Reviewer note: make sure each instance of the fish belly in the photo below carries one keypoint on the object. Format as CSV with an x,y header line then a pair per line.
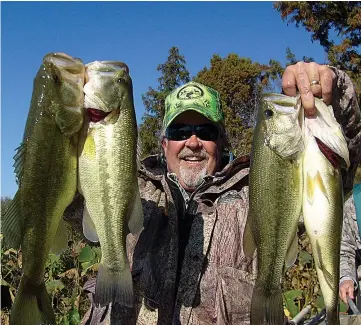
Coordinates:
x,y
108,181
275,206
48,187
322,213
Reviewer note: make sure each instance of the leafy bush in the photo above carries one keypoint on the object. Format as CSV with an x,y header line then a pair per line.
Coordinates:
x,y
65,275
300,283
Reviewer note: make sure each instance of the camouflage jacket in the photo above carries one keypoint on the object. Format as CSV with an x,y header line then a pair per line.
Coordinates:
x,y
347,113
215,282
350,244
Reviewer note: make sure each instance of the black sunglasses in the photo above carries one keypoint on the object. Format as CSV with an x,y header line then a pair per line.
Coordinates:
x,y
179,132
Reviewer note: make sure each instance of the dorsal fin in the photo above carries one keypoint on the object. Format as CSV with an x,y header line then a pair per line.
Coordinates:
x,y
19,162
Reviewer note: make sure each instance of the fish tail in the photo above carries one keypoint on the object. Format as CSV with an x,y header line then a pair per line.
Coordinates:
x,y
32,305
114,286
267,308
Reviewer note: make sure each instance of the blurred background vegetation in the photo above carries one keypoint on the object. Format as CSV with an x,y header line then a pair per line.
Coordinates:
x,y
239,81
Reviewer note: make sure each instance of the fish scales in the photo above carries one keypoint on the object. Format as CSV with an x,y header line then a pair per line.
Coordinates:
x,y
108,176
323,201
275,204
318,171
46,167
323,223
105,178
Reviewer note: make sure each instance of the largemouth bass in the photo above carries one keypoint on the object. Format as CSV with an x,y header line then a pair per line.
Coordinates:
x,y
46,168
275,193
323,200
108,176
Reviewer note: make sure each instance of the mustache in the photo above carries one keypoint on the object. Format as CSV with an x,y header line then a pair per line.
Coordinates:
x,y
187,153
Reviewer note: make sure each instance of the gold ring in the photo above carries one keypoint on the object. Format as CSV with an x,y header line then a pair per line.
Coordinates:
x,y
315,82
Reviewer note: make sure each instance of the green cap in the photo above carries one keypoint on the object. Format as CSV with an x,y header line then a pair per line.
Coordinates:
x,y
193,96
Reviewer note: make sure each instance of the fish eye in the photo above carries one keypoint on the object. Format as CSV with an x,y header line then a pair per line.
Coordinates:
x,y
56,79
121,81
268,113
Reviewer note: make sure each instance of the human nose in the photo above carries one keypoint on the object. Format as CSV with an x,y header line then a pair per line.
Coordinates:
x,y
193,142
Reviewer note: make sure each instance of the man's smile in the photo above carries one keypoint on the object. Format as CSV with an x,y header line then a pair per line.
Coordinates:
x,y
193,159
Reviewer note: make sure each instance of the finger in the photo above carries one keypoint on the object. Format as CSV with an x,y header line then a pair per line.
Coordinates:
x,y
303,84
350,292
289,82
314,77
327,79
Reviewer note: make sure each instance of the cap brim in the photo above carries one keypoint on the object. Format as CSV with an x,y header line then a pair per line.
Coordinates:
x,y
194,108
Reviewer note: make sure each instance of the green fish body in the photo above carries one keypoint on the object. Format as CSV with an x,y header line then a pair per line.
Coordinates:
x,y
322,206
46,167
275,193
108,176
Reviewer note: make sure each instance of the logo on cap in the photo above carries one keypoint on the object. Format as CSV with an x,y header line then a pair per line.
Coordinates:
x,y
190,92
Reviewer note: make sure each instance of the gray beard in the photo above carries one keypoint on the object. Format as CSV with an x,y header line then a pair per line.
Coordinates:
x,y
192,177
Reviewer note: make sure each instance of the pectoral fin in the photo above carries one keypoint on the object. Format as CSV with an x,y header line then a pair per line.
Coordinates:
x,y
89,230
249,245
135,223
60,242
292,252
312,184
89,149
13,223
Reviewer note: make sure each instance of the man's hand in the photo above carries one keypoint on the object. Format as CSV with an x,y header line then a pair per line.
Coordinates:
x,y
310,79
346,288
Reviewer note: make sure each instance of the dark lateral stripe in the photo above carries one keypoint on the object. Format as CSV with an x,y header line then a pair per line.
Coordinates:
x,y
96,115
332,157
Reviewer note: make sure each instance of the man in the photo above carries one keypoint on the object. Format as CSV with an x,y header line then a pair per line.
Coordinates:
x,y
188,265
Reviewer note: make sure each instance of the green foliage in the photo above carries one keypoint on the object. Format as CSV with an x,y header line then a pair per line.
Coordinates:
x,y
173,74
238,81
323,19
291,299
291,57
300,282
149,135
271,77
89,258
302,277
65,276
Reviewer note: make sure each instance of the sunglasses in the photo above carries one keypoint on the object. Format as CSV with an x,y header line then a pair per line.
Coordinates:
x,y
179,132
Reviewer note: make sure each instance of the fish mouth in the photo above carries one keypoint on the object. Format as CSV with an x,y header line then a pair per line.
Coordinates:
x,y
107,66
96,115
66,62
71,69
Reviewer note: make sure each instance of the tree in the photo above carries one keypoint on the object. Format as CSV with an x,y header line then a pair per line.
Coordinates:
x,y
173,74
238,81
321,18
291,57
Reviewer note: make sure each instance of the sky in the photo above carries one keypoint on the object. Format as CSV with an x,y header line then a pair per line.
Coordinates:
x,y
137,33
